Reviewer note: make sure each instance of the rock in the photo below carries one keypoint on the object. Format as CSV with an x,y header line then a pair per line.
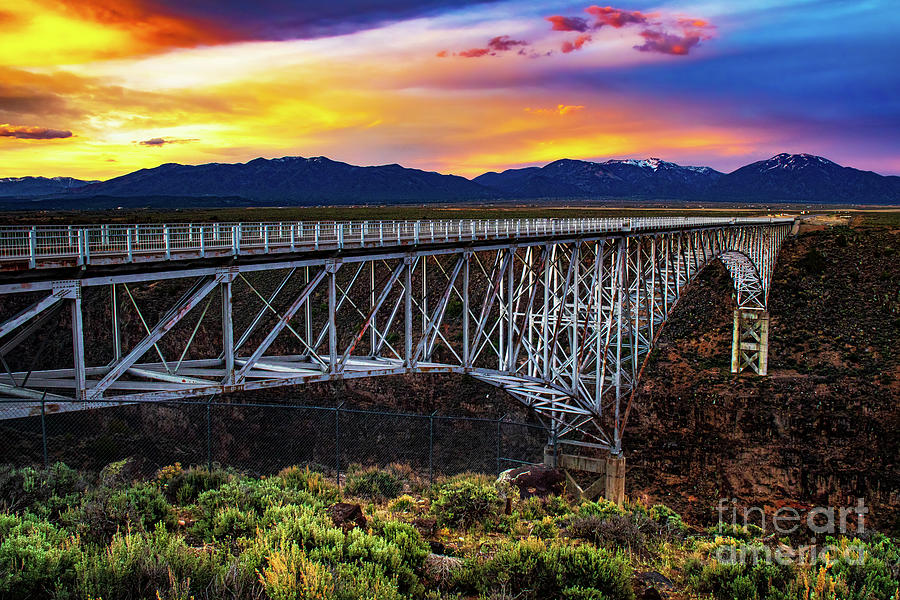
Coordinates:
x,y
425,526
649,584
536,480
651,593
347,515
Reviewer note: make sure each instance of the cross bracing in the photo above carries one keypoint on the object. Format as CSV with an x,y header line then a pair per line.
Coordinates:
x,y
562,314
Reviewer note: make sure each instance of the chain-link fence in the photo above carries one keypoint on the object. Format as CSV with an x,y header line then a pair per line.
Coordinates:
x,y
262,438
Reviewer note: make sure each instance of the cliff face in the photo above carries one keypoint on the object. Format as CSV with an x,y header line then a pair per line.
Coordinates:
x,y
823,428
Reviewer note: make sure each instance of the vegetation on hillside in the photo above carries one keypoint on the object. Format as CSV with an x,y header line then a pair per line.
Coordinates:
x,y
200,533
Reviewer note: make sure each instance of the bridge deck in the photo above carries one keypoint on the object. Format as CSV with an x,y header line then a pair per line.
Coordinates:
x,y
37,247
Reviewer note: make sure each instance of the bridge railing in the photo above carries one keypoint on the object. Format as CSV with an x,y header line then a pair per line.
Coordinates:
x,y
49,245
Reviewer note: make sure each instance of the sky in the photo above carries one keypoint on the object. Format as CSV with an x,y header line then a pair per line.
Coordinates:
x,y
99,88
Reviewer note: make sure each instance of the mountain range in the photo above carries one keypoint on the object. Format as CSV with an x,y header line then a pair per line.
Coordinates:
x,y
319,180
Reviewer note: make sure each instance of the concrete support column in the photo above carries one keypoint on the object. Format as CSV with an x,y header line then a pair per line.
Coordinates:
x,y
615,479
609,473
750,341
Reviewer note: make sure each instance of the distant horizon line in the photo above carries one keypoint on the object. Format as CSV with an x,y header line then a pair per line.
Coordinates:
x,y
501,170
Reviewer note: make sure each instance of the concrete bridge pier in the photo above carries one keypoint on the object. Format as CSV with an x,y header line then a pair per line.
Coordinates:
x,y
609,472
750,343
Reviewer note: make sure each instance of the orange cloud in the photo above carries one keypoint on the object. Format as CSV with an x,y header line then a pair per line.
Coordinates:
x,y
148,23
24,132
665,34
473,52
500,43
616,17
576,44
561,23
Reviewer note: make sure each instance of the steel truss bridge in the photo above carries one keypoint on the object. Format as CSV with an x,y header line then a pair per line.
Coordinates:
x,y
560,313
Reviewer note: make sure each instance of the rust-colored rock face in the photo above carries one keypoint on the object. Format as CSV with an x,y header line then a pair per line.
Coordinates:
x,y
822,429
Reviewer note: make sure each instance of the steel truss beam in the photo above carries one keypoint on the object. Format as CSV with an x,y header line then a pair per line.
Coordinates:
x,y
564,325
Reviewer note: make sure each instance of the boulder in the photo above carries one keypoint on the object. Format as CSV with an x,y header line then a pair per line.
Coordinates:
x,y
347,515
535,480
425,525
652,585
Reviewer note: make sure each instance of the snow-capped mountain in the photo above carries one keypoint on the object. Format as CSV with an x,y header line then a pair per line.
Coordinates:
x,y
805,178
294,180
651,177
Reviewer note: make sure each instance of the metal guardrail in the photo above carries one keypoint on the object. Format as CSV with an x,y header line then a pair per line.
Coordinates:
x,y
52,245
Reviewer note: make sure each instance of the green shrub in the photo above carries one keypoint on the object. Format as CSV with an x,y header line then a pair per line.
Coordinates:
x,y
743,533
314,482
289,575
404,503
185,486
373,483
557,506
582,593
863,569
45,492
532,569
159,564
618,531
666,517
37,559
531,508
103,511
408,541
742,572
390,560
230,523
602,508
464,502
545,529
246,496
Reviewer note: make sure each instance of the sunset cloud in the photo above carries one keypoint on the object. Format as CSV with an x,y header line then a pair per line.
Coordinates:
x,y
615,17
474,52
158,141
576,44
561,23
503,43
496,45
375,81
667,43
153,24
685,34
664,34
24,132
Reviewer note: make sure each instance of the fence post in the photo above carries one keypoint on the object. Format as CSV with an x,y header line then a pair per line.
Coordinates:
x,y
337,443
431,447
32,247
44,430
499,433
209,434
